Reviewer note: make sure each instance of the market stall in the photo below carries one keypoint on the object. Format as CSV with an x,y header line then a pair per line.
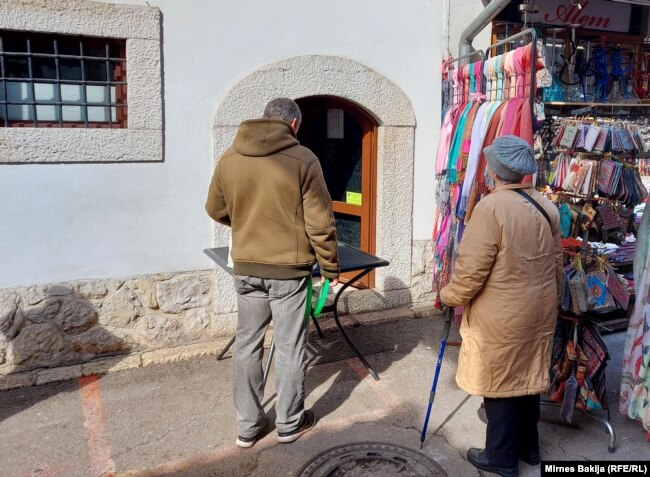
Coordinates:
x,y
580,96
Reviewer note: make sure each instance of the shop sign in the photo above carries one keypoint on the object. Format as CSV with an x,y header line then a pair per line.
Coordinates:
x,y
595,14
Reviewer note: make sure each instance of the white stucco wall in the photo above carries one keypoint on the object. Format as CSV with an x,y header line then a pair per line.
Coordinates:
x,y
70,221
458,15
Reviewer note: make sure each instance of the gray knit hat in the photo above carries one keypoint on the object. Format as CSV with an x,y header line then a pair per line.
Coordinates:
x,y
511,158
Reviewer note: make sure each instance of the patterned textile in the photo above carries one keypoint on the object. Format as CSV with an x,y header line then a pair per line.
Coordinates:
x,y
579,361
634,397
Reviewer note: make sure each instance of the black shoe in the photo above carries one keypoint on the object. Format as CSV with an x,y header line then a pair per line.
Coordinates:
x,y
246,442
478,459
307,422
530,458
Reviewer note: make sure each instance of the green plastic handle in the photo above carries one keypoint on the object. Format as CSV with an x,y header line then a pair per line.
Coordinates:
x,y
322,296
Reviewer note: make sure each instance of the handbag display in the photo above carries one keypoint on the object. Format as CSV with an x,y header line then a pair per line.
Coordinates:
x,y
625,140
600,297
557,137
590,138
603,141
569,136
616,287
616,147
581,137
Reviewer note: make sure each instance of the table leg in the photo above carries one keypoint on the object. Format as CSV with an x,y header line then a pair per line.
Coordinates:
x,y
320,332
227,347
338,324
611,448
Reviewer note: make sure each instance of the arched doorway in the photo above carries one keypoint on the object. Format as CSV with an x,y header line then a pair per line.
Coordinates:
x,y
388,106
344,138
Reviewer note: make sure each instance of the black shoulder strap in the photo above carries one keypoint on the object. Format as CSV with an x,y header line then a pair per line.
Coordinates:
x,y
534,202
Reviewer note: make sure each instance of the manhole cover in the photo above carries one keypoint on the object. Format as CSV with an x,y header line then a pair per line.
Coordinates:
x,y
371,459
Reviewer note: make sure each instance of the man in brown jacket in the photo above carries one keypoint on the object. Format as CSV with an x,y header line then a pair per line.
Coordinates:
x,y
270,190
508,276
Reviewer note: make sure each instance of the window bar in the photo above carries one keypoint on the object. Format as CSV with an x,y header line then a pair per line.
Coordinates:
x,y
84,99
4,83
31,79
67,103
108,88
58,81
64,81
69,57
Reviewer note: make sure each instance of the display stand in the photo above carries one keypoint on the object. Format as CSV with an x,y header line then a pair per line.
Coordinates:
x,y
520,39
504,80
611,447
622,197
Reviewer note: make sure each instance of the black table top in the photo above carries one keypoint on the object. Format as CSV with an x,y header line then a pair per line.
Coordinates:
x,y
350,259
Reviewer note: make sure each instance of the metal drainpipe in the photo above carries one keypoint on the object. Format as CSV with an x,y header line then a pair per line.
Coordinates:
x,y
481,21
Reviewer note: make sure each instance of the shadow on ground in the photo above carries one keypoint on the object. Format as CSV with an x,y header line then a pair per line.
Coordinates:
x,y
267,458
335,384
56,328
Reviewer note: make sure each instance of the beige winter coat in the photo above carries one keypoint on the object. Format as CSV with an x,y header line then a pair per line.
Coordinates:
x,y
508,276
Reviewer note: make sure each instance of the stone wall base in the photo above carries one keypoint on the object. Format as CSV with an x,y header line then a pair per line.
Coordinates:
x,y
178,353
66,330
71,324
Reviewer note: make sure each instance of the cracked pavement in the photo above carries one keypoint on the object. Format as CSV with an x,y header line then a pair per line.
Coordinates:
x,y
177,419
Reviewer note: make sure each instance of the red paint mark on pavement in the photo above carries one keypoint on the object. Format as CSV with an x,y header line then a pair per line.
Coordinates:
x,y
99,449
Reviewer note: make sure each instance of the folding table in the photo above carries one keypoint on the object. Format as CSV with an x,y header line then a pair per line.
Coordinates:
x,y
350,260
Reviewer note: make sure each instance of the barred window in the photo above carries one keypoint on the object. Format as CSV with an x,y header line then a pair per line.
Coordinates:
x,y
51,80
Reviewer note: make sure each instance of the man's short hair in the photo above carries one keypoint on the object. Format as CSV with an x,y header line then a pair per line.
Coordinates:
x,y
283,108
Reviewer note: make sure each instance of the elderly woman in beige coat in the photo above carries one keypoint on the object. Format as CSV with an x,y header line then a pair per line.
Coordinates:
x,y
508,276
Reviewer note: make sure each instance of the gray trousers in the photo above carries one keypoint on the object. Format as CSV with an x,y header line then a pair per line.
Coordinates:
x,y
259,299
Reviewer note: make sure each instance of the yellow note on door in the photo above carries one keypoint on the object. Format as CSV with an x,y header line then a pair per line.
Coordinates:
x,y
353,198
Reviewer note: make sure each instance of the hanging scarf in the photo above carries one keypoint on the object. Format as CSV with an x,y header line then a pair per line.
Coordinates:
x,y
454,150
478,187
446,135
476,145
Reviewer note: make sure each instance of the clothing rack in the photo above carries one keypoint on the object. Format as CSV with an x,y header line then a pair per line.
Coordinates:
x,y
503,86
479,53
617,110
506,82
571,195
462,81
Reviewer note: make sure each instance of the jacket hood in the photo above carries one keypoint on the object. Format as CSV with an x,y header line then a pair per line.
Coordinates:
x,y
262,137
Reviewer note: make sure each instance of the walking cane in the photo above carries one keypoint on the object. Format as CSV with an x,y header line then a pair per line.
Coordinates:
x,y
441,353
